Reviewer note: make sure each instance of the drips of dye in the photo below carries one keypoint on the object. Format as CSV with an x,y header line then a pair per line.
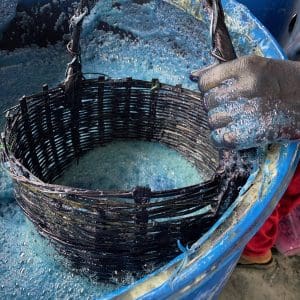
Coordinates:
x,y
156,40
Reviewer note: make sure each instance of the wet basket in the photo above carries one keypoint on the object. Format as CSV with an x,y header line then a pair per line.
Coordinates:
x,y
107,231
114,232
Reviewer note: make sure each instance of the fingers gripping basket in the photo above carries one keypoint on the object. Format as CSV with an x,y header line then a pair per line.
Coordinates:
x,y
109,232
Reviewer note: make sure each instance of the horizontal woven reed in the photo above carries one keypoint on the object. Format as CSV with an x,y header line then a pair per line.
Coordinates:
x,y
110,233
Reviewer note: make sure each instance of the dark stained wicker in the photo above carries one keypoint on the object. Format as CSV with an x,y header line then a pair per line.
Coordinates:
x,y
111,232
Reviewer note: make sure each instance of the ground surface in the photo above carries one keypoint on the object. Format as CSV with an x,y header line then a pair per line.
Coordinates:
x,y
280,282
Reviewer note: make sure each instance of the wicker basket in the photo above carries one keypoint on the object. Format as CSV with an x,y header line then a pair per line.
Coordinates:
x,y
114,232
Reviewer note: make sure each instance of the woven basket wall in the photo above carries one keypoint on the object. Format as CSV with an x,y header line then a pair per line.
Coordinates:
x,y
113,232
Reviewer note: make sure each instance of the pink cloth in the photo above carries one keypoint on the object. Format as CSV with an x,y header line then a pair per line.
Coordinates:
x,y
266,237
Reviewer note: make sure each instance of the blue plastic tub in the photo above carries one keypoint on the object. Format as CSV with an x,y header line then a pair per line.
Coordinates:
x,y
276,15
202,271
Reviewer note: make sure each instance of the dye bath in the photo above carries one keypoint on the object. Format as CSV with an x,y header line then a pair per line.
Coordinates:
x,y
143,41
124,165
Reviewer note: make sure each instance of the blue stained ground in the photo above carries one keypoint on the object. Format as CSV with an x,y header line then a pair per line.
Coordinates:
x,y
143,41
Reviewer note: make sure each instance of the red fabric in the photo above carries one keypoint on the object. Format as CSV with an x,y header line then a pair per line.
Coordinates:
x,y
266,237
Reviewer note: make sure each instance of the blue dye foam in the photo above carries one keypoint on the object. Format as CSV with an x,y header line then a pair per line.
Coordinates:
x,y
153,40
143,41
125,165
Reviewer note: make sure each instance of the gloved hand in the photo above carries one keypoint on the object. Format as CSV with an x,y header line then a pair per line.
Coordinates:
x,y
251,101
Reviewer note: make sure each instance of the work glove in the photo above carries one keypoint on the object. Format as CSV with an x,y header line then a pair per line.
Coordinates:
x,y
251,101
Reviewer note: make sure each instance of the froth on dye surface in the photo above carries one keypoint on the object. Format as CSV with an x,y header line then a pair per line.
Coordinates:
x,y
124,165
148,39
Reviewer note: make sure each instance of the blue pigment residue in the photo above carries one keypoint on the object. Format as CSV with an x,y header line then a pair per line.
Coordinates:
x,y
143,41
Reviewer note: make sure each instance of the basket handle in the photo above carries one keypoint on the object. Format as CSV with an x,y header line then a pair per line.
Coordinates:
x,y
222,48
73,72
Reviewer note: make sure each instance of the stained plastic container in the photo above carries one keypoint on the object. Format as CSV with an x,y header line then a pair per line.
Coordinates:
x,y
288,241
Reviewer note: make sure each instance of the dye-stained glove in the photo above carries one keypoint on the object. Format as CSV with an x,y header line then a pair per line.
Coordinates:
x,y
251,101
